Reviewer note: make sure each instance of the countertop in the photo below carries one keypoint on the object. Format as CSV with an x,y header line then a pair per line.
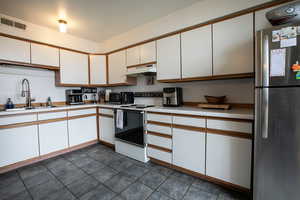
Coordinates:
x,y
239,113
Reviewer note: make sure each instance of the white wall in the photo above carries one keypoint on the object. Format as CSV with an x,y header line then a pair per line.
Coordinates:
x,y
42,84
236,90
195,14
44,34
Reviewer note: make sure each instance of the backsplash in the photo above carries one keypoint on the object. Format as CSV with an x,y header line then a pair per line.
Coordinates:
x,y
43,85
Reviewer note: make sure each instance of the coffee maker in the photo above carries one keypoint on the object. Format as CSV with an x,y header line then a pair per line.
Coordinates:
x,y
74,97
172,97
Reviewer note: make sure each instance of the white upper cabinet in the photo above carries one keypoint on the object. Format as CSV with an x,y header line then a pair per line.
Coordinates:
x,y
73,68
133,56
196,50
148,52
233,46
117,67
44,55
168,58
14,50
98,69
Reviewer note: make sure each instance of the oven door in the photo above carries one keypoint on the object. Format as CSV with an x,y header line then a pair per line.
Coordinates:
x,y
133,127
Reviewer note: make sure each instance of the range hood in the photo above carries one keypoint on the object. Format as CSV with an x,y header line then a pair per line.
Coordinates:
x,y
149,69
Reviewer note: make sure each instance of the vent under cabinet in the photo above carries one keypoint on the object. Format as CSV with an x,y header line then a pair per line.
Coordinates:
x,y
12,23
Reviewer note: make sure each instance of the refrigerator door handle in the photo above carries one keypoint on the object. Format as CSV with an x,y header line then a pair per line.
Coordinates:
x,y
266,64
265,113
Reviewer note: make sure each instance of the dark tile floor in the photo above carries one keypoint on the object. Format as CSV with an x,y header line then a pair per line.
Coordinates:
x,y
98,173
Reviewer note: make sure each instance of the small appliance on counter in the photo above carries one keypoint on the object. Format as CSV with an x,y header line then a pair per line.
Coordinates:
x,y
215,102
74,97
172,97
127,97
114,98
86,90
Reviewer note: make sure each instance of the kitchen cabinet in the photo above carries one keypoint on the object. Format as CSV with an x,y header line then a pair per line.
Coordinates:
x,y
168,58
14,50
74,68
117,67
98,70
18,144
106,125
189,149
148,52
44,55
233,46
229,159
53,136
196,51
82,126
133,56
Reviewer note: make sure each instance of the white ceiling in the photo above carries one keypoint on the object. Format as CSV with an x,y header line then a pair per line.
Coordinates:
x,y
95,20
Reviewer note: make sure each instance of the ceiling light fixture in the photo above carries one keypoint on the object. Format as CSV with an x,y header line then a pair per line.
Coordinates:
x,y
62,25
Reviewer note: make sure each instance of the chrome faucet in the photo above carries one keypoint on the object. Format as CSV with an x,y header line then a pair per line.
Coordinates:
x,y
26,93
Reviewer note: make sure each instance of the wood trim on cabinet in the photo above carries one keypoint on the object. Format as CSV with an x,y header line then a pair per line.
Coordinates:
x,y
160,162
230,133
82,116
159,134
98,124
213,21
187,115
89,69
190,128
47,121
160,148
8,62
159,113
105,115
53,111
141,65
18,114
17,125
107,62
230,119
112,146
159,123
85,108
44,157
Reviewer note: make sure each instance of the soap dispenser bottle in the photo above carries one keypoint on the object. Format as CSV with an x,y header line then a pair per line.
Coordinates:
x,y
9,104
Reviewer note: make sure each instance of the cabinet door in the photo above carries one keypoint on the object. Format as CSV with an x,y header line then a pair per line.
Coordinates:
x,y
107,129
82,130
18,144
73,68
168,58
53,137
133,56
117,67
14,50
196,50
98,69
233,46
229,159
189,150
44,55
148,52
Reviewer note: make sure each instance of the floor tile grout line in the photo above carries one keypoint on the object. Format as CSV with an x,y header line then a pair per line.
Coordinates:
x,y
26,188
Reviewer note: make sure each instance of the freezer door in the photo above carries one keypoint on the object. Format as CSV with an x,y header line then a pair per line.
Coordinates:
x,y
267,59
277,144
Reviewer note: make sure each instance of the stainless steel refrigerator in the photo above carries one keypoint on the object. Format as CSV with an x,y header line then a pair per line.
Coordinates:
x,y
277,122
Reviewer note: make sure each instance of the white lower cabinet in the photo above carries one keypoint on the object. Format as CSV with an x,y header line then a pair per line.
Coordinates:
x,y
229,159
107,129
159,155
18,144
53,137
189,150
82,130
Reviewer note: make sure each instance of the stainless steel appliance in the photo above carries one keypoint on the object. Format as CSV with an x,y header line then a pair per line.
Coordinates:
x,y
277,127
172,96
74,97
114,98
289,13
127,97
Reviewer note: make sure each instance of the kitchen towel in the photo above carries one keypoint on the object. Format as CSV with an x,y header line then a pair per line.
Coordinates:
x,y
120,119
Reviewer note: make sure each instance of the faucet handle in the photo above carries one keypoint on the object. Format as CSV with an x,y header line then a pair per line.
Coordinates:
x,y
33,99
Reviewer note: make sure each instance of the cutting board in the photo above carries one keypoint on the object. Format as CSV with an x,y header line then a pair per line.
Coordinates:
x,y
214,106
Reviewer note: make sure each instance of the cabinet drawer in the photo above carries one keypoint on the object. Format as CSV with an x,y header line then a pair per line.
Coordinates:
x,y
189,121
81,112
159,118
243,127
106,111
13,119
160,155
159,141
54,115
159,129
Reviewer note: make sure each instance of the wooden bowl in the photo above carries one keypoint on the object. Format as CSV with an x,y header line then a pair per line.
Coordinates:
x,y
215,100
